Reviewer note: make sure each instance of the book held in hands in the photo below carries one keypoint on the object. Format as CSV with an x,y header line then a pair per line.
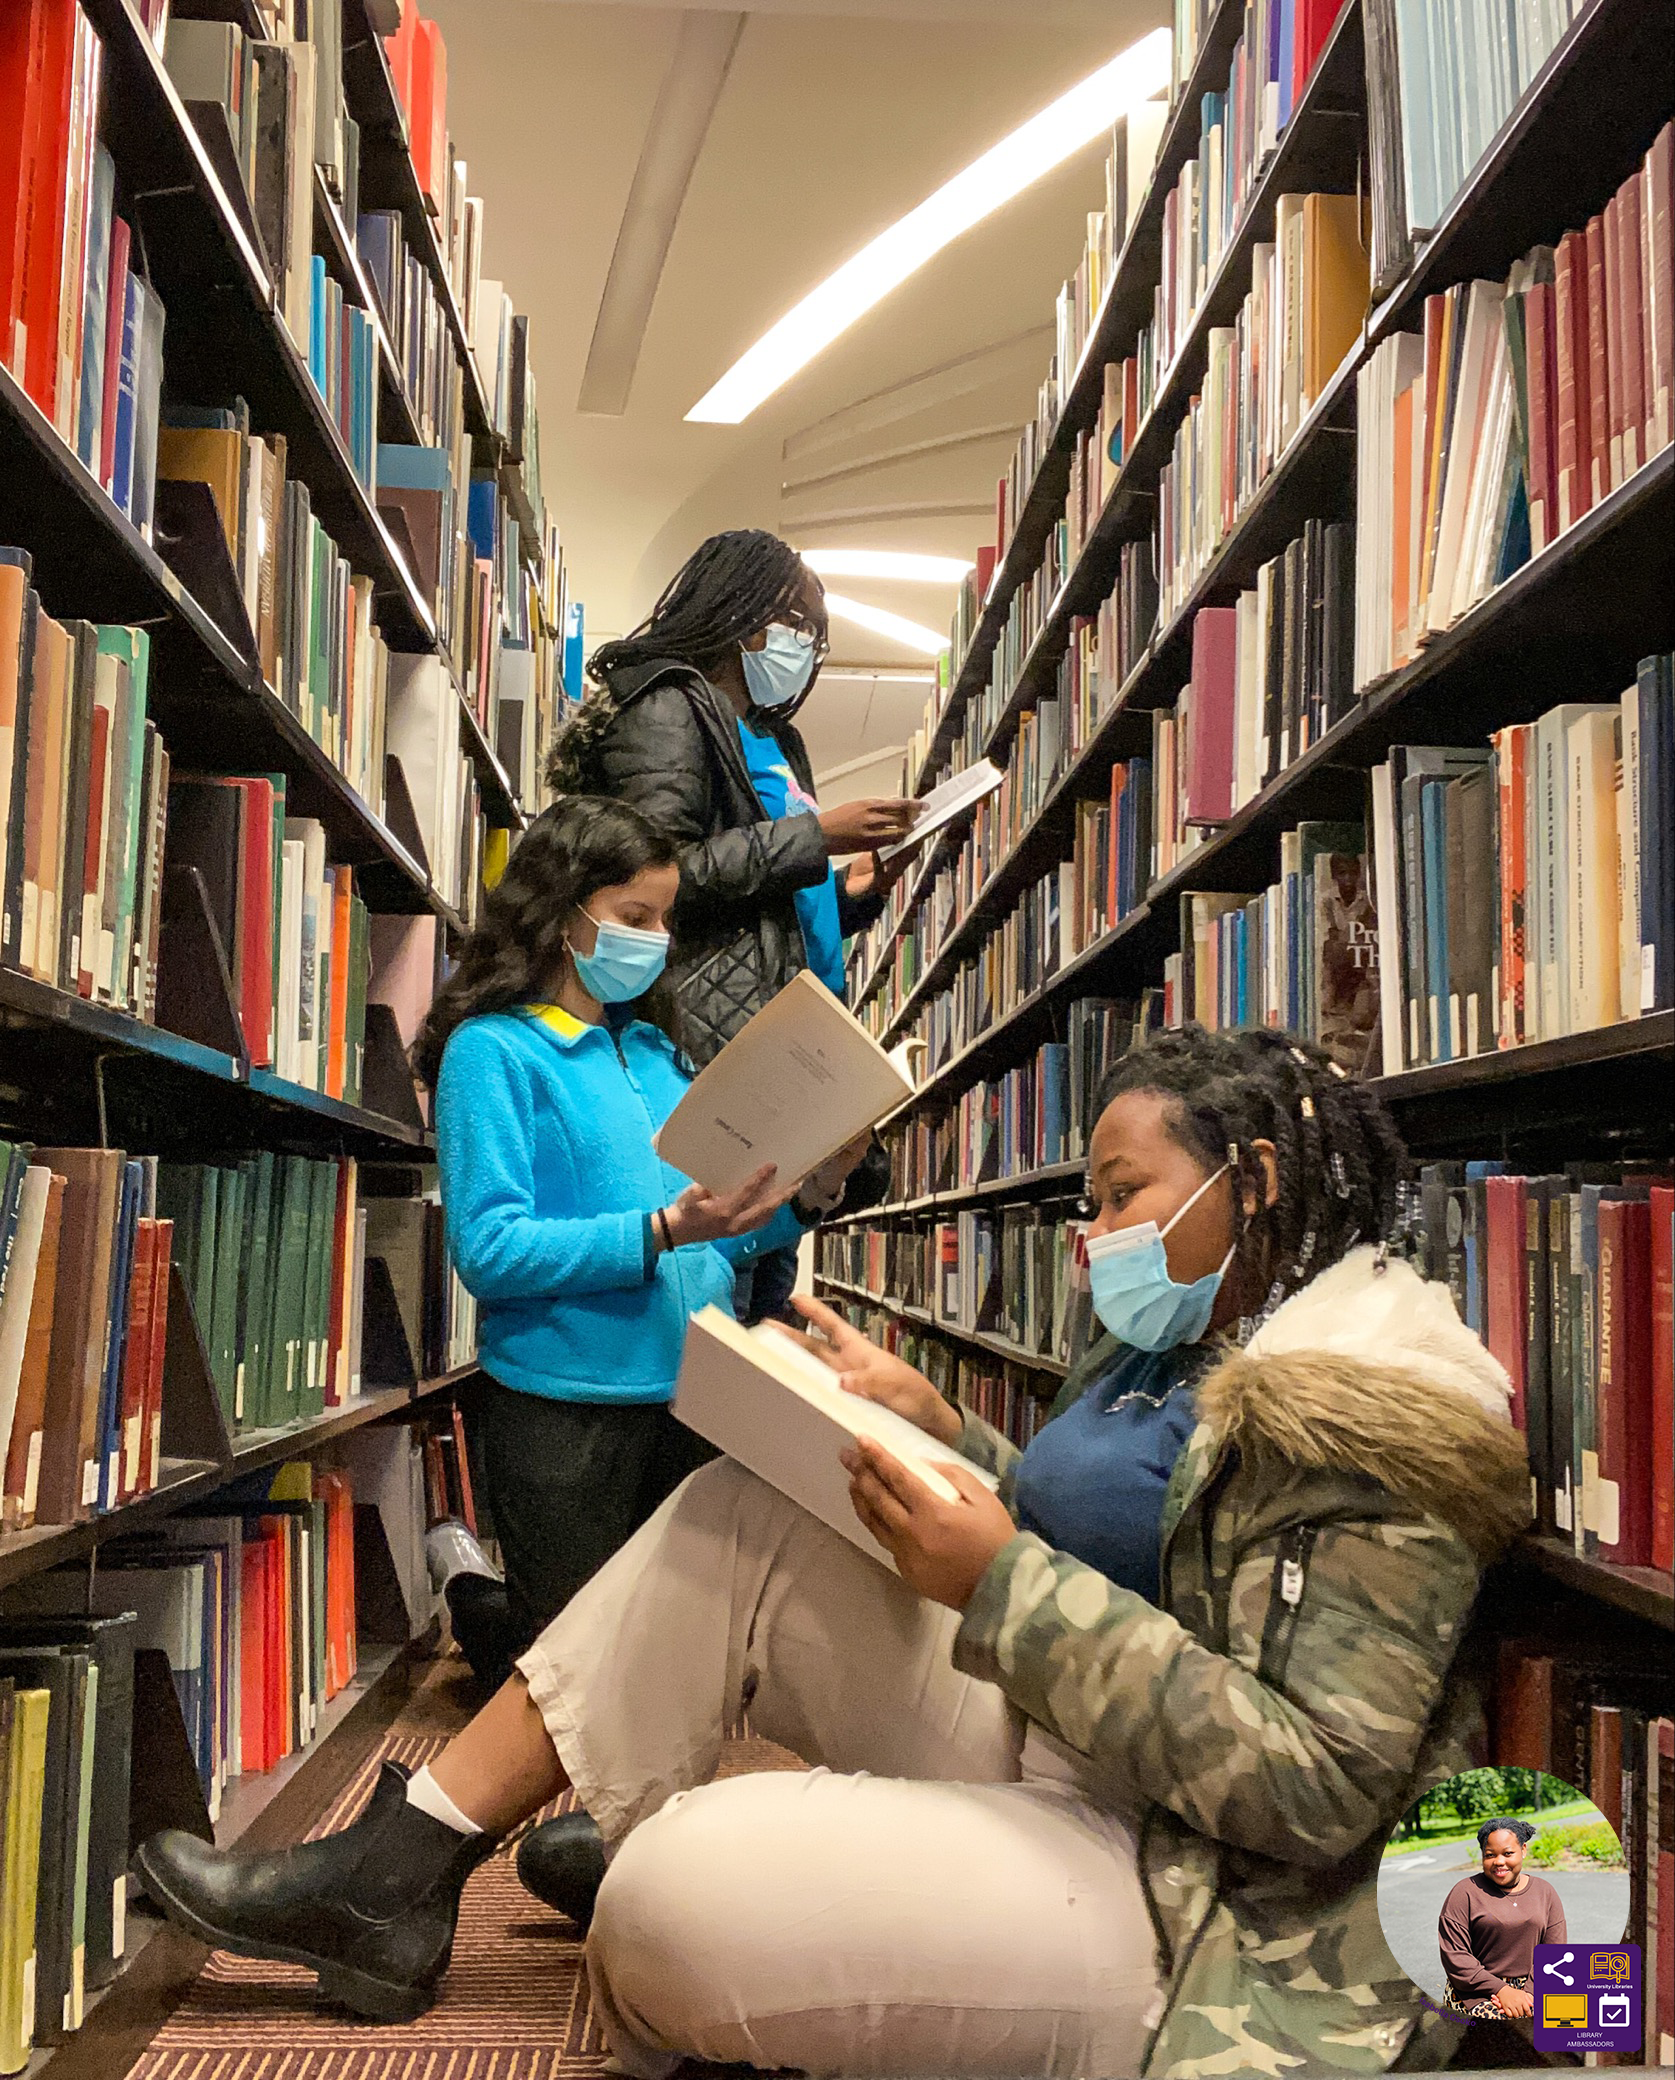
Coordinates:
x,y
801,1080
777,1410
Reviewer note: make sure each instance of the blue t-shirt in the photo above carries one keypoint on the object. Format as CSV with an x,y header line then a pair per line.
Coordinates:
x,y
817,907
1092,1483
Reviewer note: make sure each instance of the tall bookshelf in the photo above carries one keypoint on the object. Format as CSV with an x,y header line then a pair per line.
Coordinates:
x,y
75,1072
1569,625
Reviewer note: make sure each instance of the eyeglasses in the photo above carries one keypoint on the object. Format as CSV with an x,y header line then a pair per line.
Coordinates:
x,y
811,631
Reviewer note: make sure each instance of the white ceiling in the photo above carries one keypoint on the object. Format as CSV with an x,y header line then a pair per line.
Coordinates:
x,y
830,122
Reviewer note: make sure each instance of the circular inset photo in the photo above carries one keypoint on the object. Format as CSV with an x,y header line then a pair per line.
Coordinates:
x,y
1483,1868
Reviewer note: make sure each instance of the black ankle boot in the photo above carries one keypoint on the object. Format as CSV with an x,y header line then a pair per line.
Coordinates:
x,y
371,1909
563,1863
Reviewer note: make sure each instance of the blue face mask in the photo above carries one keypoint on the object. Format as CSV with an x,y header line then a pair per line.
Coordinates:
x,y
1133,1294
778,672
624,962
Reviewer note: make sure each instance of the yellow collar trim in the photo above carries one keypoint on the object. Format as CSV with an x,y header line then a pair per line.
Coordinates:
x,y
564,1023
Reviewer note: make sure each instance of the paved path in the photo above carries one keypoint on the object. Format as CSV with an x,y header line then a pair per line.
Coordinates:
x,y
1412,1888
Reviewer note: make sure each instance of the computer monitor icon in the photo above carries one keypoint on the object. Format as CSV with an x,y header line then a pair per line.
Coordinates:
x,y
1564,2011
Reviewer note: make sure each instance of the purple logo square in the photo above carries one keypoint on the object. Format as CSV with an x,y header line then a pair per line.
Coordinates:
x,y
1587,1997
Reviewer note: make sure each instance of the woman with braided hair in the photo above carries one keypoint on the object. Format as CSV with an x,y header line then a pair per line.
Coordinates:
x,y
1490,1924
1105,1765
691,721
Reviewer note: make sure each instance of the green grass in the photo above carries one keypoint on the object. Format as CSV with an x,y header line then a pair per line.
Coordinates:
x,y
1457,1831
1595,1841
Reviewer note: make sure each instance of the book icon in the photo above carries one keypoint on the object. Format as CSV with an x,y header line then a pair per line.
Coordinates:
x,y
1564,2011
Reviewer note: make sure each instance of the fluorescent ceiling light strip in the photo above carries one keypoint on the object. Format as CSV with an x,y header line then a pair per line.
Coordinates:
x,y
828,672
1005,170
886,563
882,623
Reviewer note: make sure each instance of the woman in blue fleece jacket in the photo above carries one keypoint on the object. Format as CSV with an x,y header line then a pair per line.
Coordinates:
x,y
551,1055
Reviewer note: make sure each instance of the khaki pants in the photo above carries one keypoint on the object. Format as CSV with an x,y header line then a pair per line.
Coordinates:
x,y
936,1897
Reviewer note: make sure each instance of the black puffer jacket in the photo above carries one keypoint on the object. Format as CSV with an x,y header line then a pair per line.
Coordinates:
x,y
672,751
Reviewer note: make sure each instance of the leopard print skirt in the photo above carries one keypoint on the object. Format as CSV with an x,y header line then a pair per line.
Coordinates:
x,y
1476,2008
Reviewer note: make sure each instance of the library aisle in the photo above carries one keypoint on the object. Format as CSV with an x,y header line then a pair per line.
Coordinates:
x,y
1236,443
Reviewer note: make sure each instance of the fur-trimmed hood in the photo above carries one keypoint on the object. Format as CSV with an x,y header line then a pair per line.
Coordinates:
x,y
1371,1371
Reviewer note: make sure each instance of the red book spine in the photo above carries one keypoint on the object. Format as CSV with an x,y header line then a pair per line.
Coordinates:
x,y
152,1421
252,1623
1605,1762
1605,376
1209,767
1539,335
1503,1327
1624,1418
21,54
985,570
136,1359
256,911
1570,362
1663,1375
48,204
1119,781
1631,309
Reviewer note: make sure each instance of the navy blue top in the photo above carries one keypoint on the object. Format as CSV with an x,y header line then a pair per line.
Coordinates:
x,y
817,907
1093,1481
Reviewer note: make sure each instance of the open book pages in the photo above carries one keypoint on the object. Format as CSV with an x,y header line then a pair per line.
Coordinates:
x,y
796,1084
778,1411
946,802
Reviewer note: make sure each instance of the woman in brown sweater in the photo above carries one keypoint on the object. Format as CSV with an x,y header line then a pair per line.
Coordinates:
x,y
1491,1923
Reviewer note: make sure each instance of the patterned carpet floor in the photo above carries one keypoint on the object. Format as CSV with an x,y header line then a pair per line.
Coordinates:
x,y
514,2006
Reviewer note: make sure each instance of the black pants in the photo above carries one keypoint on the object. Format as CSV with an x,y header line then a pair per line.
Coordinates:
x,y
566,1483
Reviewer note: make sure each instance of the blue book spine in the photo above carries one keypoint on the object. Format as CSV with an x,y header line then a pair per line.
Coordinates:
x,y
1055,1109
317,323
1286,56
481,507
91,412
116,1344
127,383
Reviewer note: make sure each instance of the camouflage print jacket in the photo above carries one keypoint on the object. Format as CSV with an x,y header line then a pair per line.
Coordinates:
x,y
1289,1694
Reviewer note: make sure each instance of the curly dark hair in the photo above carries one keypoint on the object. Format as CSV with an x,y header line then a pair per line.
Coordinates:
x,y
566,856
1521,1828
728,588
1339,1158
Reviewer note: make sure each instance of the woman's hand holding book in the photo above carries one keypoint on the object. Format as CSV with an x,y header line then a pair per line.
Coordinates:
x,y
701,1216
862,1368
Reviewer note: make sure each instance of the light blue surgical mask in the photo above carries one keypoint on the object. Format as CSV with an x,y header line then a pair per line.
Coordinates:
x,y
778,672
1133,1294
624,963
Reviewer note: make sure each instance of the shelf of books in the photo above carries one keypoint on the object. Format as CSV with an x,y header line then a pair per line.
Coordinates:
x,y
281,615
1325,645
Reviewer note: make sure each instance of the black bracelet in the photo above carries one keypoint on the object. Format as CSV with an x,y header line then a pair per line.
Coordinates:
x,y
663,1223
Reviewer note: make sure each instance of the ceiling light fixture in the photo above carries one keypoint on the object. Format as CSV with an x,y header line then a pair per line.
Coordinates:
x,y
882,623
887,563
1005,170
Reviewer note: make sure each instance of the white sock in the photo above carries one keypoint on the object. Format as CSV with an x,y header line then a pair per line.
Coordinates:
x,y
424,1792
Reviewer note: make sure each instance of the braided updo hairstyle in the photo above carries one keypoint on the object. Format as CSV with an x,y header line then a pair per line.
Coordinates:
x,y
1339,1158
566,856
1520,1829
731,586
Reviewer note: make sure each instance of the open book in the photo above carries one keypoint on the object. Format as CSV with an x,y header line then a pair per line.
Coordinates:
x,y
790,1088
946,802
767,1403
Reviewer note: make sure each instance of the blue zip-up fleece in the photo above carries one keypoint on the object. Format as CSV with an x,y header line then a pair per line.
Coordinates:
x,y
543,1135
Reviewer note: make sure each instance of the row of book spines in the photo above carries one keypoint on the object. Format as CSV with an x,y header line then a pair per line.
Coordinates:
x,y
83,773
84,1313
1431,1014
273,1251
1568,1280
343,362
1005,1395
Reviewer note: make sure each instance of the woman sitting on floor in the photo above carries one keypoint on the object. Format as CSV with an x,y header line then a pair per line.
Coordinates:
x,y
1107,1768
1490,1924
